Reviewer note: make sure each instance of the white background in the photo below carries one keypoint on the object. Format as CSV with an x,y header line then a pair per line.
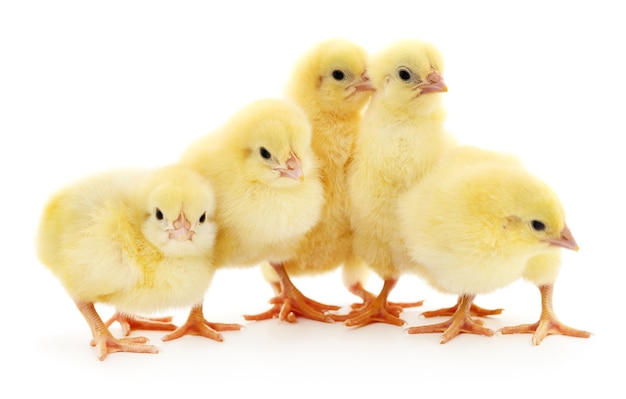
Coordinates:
x,y
87,86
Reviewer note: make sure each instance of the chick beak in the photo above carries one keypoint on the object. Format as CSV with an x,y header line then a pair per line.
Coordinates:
x,y
182,229
434,84
362,84
293,169
566,240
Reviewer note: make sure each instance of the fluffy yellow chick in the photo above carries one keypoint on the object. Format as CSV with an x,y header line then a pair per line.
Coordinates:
x,y
138,240
402,135
474,224
331,85
267,187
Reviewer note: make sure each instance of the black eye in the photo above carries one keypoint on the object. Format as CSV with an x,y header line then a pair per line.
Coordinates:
x,y
202,218
404,74
338,74
265,153
158,214
537,225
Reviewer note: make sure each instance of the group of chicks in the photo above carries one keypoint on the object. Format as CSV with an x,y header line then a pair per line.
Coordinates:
x,y
353,168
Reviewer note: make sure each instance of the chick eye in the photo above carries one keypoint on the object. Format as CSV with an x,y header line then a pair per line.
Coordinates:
x,y
538,225
158,214
202,218
404,74
338,74
265,153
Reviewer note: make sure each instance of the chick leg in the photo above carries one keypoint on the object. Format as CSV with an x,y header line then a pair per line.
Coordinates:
x,y
197,325
460,322
291,302
130,323
105,341
548,323
474,311
378,310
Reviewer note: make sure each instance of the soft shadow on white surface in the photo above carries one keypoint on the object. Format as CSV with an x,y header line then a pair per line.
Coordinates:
x,y
87,87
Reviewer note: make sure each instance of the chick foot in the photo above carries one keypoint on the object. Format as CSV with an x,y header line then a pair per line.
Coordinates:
x,y
197,325
460,322
367,297
131,323
290,303
105,341
548,323
376,311
475,310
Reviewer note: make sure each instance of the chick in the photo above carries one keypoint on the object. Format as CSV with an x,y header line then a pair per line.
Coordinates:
x,y
331,85
268,191
402,135
138,240
472,226
542,270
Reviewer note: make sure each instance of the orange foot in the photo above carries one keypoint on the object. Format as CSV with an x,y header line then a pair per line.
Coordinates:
x,y
474,311
460,322
375,311
131,323
358,290
197,325
107,343
548,323
290,303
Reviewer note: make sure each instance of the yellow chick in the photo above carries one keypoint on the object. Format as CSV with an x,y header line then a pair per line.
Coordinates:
x,y
542,270
138,240
472,225
267,187
331,85
402,136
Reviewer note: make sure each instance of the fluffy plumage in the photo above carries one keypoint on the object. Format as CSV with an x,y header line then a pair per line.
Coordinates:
x,y
266,181
402,136
138,240
477,222
330,83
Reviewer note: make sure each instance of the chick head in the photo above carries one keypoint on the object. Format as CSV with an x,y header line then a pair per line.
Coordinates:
x,y
408,75
332,77
179,206
522,212
272,141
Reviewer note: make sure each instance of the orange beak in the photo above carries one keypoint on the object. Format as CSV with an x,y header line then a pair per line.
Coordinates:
x,y
182,229
434,84
566,240
293,169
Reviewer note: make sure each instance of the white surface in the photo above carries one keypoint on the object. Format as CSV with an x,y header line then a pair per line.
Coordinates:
x,y
86,87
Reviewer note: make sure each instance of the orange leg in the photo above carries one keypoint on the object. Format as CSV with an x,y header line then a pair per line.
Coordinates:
x,y
197,325
474,311
548,324
460,322
105,341
130,323
376,311
290,303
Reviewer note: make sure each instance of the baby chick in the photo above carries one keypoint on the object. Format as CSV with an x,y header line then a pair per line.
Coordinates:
x,y
402,135
472,225
331,85
138,240
542,270
268,191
